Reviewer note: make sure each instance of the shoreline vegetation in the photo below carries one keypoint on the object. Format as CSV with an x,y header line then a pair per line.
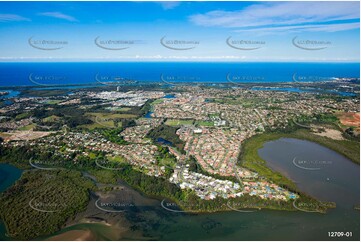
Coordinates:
x,y
58,195
347,148
152,186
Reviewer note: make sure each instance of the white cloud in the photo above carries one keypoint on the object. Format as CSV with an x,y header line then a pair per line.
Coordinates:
x,y
281,14
300,28
169,5
12,18
59,16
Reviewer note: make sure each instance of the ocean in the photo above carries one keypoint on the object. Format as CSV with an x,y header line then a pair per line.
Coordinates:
x,y
72,73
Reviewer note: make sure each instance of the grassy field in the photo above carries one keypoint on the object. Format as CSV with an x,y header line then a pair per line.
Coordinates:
x,y
167,162
110,115
4,135
205,123
178,122
22,116
119,159
105,120
119,109
157,101
92,155
53,102
105,124
52,118
27,127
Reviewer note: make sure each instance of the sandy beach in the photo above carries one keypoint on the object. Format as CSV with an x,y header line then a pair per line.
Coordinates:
x,y
74,235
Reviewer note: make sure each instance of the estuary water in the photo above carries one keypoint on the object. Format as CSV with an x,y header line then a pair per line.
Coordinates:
x,y
316,170
336,180
8,175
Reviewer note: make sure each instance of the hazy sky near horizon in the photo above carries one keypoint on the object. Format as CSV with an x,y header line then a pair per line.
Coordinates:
x,y
180,31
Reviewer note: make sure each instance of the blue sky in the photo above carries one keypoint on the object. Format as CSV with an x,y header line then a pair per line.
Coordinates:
x,y
132,31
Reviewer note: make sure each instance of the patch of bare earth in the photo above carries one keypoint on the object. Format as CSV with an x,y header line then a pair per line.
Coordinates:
x,y
74,235
350,119
331,133
25,135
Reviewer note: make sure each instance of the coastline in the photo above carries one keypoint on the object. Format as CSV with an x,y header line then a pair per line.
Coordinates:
x,y
256,143
73,235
